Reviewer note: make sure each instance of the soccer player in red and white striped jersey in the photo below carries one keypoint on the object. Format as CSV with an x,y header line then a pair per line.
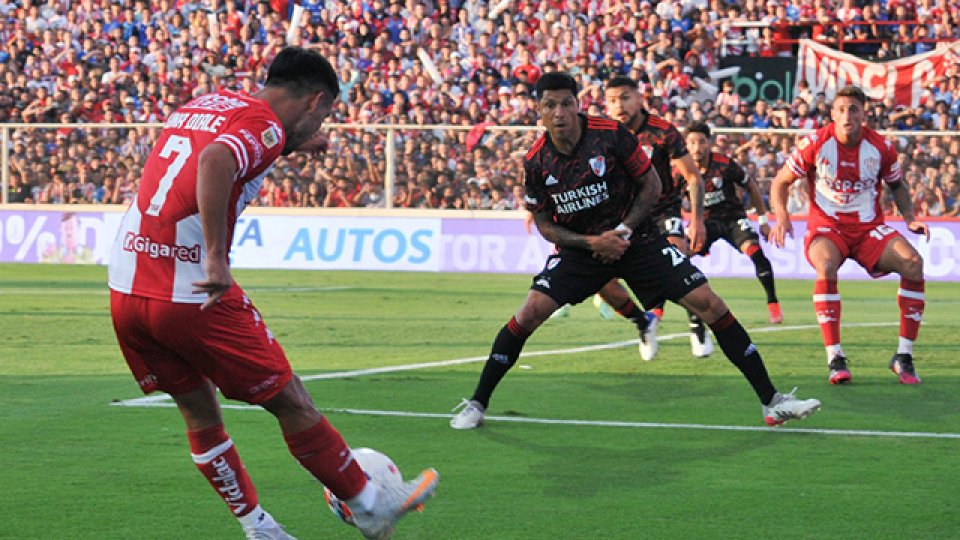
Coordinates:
x,y
184,325
845,166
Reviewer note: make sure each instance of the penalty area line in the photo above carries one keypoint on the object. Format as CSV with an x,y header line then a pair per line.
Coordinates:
x,y
602,423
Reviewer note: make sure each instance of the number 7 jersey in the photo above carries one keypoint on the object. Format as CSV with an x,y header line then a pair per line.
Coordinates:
x,y
159,249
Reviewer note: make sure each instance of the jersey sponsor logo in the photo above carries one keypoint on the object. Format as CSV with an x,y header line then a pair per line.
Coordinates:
x,y
551,181
156,250
581,198
530,200
598,165
712,198
269,137
217,103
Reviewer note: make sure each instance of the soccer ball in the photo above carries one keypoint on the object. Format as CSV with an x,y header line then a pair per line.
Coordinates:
x,y
379,469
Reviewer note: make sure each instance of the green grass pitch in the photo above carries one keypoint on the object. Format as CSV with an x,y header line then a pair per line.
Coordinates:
x,y
76,467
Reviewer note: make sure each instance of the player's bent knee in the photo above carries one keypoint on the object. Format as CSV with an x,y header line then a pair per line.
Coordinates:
x,y
292,400
704,303
912,267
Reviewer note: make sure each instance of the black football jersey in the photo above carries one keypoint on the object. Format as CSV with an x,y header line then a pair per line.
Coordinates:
x,y
591,190
662,143
720,199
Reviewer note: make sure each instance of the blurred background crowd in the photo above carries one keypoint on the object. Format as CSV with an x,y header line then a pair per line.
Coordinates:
x,y
468,65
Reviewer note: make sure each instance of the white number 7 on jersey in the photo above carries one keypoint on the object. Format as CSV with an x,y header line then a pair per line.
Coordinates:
x,y
174,145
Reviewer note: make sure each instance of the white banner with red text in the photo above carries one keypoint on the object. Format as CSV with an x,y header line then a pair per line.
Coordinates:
x,y
905,79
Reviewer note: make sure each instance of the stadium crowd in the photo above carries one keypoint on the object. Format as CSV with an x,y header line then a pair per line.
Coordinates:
x,y
465,64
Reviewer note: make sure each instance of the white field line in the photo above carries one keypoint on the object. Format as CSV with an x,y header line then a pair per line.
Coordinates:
x,y
597,423
163,400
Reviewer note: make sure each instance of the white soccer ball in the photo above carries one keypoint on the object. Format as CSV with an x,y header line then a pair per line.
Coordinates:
x,y
380,470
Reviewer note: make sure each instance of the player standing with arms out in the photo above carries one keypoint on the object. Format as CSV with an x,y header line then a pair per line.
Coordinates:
x,y
724,213
665,147
184,325
590,187
844,165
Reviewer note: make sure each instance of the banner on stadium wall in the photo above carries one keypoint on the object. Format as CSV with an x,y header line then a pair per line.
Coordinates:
x,y
766,78
827,70
435,244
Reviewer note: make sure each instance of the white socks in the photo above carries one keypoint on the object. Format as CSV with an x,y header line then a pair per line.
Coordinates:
x,y
365,499
255,518
834,351
905,346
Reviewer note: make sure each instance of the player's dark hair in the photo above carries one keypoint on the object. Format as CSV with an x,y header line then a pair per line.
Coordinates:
x,y
302,72
622,82
699,127
854,92
556,80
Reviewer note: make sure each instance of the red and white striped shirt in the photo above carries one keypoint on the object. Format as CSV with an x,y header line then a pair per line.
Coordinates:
x,y
159,250
843,181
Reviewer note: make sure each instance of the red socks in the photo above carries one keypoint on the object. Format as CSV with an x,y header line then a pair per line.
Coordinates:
x,y
826,302
217,459
910,298
323,452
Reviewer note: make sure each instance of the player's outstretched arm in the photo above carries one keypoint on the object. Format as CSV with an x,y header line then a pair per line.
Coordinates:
x,y
757,199
215,175
901,198
778,202
698,231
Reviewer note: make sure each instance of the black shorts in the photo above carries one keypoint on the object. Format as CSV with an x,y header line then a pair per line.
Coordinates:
x,y
668,219
735,230
655,271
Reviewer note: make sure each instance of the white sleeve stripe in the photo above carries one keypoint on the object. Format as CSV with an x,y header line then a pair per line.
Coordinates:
x,y
212,453
236,152
244,159
239,152
910,294
826,298
795,167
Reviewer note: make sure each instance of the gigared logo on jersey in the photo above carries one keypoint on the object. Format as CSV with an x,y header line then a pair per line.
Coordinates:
x,y
269,137
598,165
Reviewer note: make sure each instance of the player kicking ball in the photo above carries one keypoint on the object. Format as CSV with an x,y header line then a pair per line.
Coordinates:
x,y
590,187
844,166
186,327
724,215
